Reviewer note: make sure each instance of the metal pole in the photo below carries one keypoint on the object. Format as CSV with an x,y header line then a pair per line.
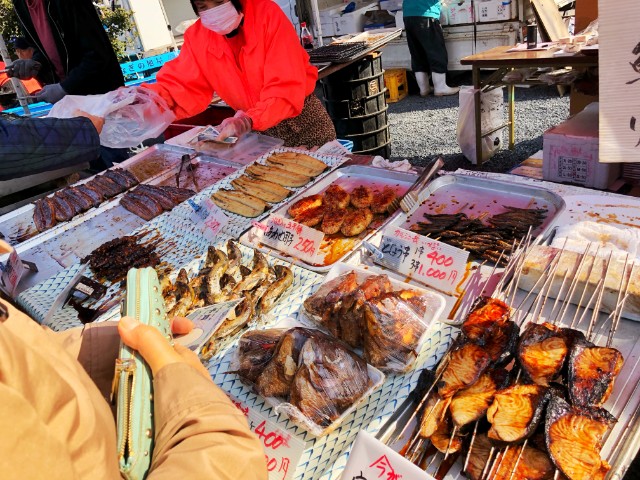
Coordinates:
x,y
316,19
17,84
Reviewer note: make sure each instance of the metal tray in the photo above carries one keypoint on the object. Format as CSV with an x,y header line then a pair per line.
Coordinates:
x,y
479,197
348,178
64,245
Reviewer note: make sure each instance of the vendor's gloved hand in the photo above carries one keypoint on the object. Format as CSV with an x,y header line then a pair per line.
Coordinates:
x,y
24,69
51,93
155,348
236,126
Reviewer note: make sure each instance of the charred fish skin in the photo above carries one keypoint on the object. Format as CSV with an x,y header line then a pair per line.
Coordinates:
x,y
592,372
486,313
542,351
44,214
574,437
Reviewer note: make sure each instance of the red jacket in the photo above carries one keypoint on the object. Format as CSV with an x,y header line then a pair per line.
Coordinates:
x,y
269,80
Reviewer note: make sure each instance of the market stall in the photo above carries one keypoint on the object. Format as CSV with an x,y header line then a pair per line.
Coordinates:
x,y
382,292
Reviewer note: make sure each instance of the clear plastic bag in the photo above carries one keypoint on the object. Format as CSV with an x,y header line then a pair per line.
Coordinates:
x,y
492,116
311,377
131,114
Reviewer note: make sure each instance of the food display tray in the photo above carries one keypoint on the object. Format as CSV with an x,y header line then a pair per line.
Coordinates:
x,y
336,246
66,243
245,151
480,197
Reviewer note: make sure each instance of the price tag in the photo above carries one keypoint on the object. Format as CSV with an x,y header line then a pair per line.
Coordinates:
x,y
429,261
205,321
289,237
12,269
282,449
370,459
209,217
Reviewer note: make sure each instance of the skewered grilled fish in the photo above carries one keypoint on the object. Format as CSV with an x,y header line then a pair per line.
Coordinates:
x,y
465,366
471,403
444,440
336,197
484,315
361,197
527,464
516,412
502,344
574,439
433,415
592,373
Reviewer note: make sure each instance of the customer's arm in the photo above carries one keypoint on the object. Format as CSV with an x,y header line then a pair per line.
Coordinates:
x,y
199,432
34,145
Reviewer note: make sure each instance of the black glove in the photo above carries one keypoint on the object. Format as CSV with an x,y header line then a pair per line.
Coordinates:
x,y
50,93
24,69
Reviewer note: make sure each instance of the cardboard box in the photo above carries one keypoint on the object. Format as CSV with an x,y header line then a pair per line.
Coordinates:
x,y
493,10
571,152
459,13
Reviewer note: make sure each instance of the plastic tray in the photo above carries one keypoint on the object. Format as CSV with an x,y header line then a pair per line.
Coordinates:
x,y
436,302
348,177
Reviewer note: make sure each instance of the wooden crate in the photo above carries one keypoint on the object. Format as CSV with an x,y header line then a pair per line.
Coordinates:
x,y
395,80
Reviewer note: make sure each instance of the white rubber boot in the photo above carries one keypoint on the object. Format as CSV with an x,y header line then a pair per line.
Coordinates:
x,y
440,86
422,78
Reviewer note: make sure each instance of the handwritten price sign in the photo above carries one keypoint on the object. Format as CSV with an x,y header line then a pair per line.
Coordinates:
x,y
209,217
431,262
12,269
282,449
288,237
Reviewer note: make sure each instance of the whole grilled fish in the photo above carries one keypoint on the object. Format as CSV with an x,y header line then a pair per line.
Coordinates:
x,y
284,279
217,262
258,274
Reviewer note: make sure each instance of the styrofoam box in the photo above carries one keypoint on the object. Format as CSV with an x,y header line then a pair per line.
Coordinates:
x,y
391,5
493,10
459,13
570,152
352,22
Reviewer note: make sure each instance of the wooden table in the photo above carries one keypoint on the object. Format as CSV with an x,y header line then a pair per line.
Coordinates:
x,y
498,58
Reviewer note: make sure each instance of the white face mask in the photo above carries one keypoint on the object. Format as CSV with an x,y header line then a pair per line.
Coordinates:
x,y
222,19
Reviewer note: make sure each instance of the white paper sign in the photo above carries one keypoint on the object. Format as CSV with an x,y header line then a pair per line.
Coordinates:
x,y
288,237
209,217
373,460
205,321
429,261
282,449
12,269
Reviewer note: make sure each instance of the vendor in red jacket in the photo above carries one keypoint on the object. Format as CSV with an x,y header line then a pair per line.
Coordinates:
x,y
248,52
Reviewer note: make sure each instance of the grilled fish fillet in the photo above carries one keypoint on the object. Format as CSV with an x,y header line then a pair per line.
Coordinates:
x,y
516,412
278,175
542,350
433,415
296,158
242,197
235,206
356,222
293,167
471,403
267,191
465,366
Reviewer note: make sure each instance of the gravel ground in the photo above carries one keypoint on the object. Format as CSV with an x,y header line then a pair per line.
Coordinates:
x,y
422,128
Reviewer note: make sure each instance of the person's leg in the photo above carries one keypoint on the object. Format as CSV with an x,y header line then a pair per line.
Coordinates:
x,y
414,27
438,58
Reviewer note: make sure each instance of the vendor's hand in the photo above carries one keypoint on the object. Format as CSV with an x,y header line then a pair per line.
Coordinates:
x,y
155,348
51,93
98,122
236,126
24,69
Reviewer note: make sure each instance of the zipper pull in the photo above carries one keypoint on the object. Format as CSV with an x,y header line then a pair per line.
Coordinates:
x,y
122,365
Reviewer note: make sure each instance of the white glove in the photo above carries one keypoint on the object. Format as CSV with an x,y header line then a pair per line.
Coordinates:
x,y
238,125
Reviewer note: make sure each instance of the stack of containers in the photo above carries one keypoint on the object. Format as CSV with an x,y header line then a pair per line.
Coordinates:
x,y
355,100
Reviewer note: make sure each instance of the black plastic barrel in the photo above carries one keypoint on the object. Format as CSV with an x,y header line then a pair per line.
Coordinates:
x,y
354,97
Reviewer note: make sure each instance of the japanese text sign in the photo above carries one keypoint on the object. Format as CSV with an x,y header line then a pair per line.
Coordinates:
x,y
429,261
372,460
12,269
209,217
288,237
282,449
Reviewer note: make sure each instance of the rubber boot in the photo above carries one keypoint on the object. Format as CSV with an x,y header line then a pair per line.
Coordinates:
x,y
440,85
422,78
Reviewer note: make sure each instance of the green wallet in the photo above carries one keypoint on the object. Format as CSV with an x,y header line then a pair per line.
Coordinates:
x,y
133,382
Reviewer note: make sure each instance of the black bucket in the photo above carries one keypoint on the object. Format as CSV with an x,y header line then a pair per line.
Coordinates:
x,y
356,108
384,151
362,124
367,67
369,141
353,89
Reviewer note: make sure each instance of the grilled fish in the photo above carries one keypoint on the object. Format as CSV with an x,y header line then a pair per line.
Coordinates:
x,y
433,415
62,208
356,222
574,439
277,175
305,204
361,197
237,318
330,293
259,189
479,453
44,215
516,412
217,263
518,463
159,195
105,185
337,197
255,350
284,279
502,344
95,195
289,160
465,366
258,274
137,207
332,220
592,373
484,315
289,166
443,439
471,403
235,258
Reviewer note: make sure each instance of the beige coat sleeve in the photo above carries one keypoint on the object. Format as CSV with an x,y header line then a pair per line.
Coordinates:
x,y
199,432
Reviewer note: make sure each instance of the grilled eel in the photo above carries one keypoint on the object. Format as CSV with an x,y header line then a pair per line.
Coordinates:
x,y
141,206
178,194
122,177
108,187
516,412
592,373
465,366
159,195
330,293
255,350
62,208
44,215
543,349
361,197
485,314
268,191
382,199
574,438
471,403
95,196
278,175
356,222
337,197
